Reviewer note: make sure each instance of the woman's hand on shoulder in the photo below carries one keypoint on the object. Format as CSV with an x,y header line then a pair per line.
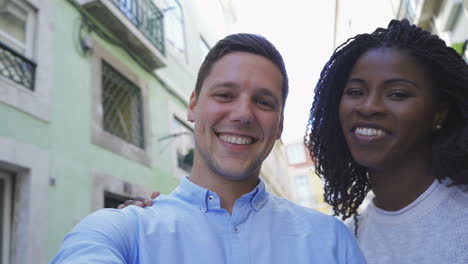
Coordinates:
x,y
140,201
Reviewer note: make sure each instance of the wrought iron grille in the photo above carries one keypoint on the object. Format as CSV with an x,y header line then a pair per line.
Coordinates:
x,y
122,107
16,67
146,16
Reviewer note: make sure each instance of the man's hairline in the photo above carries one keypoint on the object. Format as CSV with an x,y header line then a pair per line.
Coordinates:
x,y
283,88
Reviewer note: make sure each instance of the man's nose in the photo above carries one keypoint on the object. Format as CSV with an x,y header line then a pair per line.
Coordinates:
x,y
242,112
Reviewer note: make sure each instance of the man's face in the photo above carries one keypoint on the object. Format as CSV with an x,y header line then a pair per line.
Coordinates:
x,y
237,115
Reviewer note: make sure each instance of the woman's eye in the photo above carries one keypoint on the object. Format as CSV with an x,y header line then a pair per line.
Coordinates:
x,y
398,95
353,92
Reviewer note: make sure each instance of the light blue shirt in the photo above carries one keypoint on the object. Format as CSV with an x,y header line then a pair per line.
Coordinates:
x,y
189,226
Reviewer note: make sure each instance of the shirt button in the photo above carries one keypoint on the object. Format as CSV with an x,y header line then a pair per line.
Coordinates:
x,y
256,205
211,198
235,229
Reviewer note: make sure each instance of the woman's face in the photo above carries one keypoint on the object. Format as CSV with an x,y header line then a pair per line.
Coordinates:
x,y
386,110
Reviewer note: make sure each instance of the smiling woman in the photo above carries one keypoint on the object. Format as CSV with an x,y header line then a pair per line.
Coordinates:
x,y
390,115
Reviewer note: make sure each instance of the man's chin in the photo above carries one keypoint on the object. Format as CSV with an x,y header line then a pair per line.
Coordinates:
x,y
236,175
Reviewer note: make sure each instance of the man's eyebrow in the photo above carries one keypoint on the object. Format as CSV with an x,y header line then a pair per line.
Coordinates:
x,y
225,84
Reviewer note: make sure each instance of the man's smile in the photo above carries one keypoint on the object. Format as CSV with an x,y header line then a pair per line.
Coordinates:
x,y
236,139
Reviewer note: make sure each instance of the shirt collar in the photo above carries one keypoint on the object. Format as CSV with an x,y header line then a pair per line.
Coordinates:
x,y
206,200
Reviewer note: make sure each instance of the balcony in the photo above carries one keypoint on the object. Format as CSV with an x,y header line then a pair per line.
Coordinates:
x,y
139,24
16,67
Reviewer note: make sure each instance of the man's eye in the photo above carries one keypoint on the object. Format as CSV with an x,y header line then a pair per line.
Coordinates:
x,y
223,96
265,104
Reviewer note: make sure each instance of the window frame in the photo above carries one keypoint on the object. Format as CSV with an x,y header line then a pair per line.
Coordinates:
x,y
6,228
38,39
27,47
29,166
101,137
172,47
119,105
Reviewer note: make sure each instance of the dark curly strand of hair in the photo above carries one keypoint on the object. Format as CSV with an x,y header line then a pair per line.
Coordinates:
x,y
346,182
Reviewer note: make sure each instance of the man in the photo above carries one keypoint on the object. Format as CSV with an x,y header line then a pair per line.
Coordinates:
x,y
221,213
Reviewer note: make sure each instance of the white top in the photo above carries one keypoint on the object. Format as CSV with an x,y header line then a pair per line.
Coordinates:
x,y
432,229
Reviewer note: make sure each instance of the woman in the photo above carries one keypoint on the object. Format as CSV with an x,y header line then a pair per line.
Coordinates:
x,y
390,114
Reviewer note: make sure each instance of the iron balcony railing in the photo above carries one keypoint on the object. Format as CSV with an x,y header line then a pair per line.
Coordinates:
x,y
146,16
16,67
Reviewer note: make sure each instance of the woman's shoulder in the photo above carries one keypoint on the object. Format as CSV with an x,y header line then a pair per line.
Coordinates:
x,y
458,195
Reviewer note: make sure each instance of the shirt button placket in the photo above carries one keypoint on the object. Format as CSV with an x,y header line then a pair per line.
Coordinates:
x,y
237,248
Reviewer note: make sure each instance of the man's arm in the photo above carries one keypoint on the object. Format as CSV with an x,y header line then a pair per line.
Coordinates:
x,y
102,237
348,247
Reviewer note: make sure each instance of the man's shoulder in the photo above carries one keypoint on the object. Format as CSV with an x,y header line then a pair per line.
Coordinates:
x,y
315,227
107,220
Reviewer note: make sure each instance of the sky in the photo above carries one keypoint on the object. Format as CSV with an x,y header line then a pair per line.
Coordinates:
x,y
303,33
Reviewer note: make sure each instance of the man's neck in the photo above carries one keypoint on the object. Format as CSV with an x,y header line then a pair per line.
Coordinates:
x,y
227,190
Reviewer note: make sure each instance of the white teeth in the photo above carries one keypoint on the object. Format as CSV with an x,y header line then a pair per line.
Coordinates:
x,y
369,132
236,139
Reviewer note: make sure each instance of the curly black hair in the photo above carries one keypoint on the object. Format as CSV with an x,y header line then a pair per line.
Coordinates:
x,y
346,182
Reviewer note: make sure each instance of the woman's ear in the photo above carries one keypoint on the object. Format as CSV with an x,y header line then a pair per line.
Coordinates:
x,y
440,116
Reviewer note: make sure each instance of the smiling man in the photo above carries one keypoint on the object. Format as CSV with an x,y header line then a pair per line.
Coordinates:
x,y
221,213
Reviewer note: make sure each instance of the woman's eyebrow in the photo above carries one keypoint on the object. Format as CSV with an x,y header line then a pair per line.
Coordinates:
x,y
389,81
393,80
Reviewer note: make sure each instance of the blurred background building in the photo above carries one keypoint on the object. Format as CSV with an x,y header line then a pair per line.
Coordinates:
x,y
306,185
276,173
446,18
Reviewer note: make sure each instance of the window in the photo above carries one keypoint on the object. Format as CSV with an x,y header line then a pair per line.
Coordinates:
x,y
25,62
303,190
5,216
122,106
173,23
180,140
296,154
183,144
16,22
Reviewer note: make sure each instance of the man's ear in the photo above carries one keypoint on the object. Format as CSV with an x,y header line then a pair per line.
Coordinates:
x,y
280,128
191,107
